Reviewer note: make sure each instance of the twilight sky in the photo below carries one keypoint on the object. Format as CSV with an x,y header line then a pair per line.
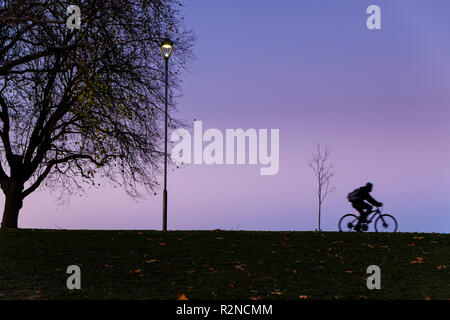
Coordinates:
x,y
379,99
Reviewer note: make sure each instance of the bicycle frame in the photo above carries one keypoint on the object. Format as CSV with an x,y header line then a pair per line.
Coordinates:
x,y
372,214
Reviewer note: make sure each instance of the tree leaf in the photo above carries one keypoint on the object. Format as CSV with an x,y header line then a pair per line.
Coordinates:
x,y
182,296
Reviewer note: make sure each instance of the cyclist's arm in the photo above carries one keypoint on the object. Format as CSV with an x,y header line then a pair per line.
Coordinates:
x,y
372,201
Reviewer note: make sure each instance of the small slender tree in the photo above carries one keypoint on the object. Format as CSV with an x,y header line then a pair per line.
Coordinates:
x,y
324,173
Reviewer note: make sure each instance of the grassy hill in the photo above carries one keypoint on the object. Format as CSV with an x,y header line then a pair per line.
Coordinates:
x,y
222,265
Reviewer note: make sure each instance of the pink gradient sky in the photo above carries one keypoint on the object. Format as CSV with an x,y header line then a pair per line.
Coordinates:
x,y
379,99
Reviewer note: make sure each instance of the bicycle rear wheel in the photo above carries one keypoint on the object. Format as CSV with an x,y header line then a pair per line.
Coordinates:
x,y
348,222
386,223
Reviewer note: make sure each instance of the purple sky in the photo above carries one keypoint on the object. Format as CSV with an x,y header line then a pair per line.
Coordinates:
x,y
379,99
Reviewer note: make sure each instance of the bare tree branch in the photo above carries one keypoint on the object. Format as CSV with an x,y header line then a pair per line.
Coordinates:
x,y
323,170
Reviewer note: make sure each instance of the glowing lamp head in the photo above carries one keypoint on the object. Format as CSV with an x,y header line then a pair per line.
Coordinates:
x,y
166,48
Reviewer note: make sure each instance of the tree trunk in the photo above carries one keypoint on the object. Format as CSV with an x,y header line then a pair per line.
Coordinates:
x,y
13,204
320,209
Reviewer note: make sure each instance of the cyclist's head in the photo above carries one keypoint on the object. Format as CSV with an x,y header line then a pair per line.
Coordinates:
x,y
369,186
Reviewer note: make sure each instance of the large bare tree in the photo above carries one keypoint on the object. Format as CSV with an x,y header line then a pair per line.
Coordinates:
x,y
82,105
324,173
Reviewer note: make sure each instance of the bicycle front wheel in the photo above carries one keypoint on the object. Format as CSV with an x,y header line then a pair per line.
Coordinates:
x,y
386,223
348,223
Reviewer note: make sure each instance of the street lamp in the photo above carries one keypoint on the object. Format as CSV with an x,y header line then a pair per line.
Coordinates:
x,y
166,49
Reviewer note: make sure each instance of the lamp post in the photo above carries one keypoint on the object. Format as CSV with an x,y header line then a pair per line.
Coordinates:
x,y
166,49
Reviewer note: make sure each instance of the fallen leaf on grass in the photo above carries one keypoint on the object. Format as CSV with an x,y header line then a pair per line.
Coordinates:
x,y
441,267
278,293
349,271
418,260
136,272
231,285
190,271
108,266
303,297
256,298
419,238
370,246
163,244
151,260
240,267
232,262
272,279
181,296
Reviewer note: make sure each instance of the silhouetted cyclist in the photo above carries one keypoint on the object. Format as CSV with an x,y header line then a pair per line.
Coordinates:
x,y
358,198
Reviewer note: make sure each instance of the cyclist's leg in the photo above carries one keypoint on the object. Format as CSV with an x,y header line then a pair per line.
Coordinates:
x,y
364,209
358,205
367,210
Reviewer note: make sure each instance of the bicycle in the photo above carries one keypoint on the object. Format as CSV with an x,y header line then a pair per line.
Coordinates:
x,y
383,222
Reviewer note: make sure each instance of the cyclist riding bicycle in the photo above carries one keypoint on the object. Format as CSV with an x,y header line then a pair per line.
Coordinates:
x,y
358,199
